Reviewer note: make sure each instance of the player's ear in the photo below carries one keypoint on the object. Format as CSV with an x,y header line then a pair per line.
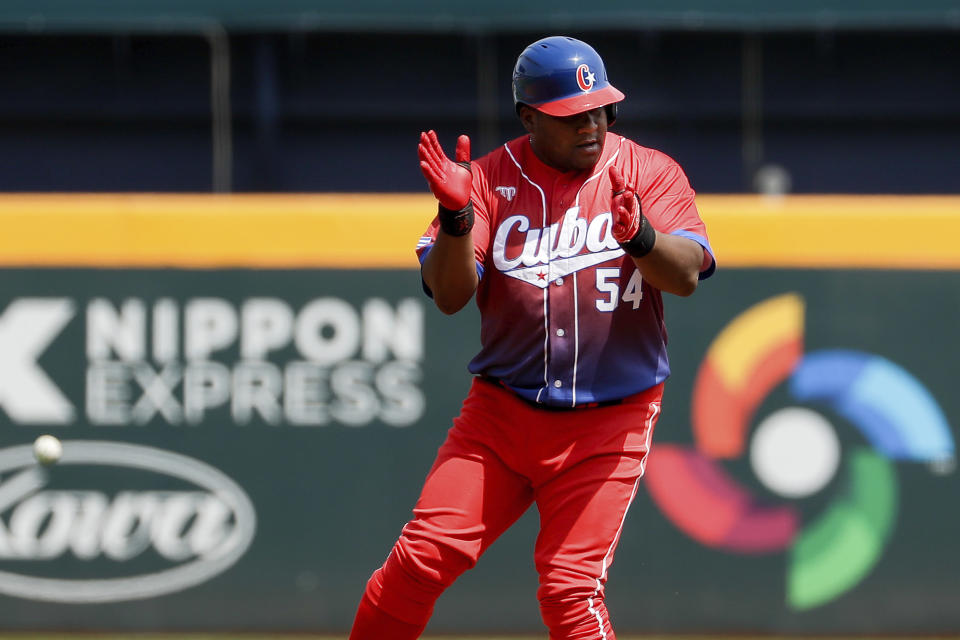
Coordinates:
x,y
528,116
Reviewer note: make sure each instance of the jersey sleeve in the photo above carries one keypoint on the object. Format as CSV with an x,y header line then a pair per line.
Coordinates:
x,y
482,214
668,201
480,231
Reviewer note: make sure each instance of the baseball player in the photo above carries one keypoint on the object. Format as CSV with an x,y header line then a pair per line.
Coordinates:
x,y
567,236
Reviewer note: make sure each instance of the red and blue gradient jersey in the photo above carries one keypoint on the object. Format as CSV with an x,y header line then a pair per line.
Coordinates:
x,y
565,317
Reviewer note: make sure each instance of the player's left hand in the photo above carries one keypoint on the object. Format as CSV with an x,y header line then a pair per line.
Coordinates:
x,y
625,208
449,181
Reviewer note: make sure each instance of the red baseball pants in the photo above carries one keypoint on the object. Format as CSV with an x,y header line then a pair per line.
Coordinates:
x,y
581,468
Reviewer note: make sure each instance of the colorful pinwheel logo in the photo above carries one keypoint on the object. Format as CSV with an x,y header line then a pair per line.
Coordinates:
x,y
795,451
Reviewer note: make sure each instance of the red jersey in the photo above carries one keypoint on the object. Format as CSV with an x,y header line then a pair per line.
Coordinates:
x,y
565,317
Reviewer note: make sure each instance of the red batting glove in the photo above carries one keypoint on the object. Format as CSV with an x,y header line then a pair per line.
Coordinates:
x,y
625,208
449,181
630,228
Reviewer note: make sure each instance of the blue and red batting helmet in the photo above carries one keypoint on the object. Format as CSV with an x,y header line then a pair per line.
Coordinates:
x,y
563,76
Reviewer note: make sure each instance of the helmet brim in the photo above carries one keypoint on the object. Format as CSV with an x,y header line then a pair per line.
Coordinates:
x,y
584,102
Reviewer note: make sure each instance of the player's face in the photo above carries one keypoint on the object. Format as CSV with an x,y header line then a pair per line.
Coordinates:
x,y
569,143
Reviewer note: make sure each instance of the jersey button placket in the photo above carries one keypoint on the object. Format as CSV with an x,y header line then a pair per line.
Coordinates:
x,y
559,299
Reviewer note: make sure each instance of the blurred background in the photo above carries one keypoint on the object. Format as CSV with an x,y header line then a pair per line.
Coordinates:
x,y
208,292
293,95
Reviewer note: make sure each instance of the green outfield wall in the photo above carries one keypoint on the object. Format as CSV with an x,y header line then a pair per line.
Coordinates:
x,y
249,400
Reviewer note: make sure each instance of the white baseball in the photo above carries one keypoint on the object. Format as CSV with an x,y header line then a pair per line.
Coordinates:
x,y
47,449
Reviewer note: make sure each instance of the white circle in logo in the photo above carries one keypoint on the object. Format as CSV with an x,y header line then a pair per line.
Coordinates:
x,y
795,452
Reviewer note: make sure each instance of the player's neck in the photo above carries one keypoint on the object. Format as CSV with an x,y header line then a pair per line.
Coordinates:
x,y
552,165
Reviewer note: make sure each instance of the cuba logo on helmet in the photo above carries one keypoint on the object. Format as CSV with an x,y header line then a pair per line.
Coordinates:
x,y
585,78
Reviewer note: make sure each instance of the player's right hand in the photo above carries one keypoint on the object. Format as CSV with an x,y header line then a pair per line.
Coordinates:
x,y
449,181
